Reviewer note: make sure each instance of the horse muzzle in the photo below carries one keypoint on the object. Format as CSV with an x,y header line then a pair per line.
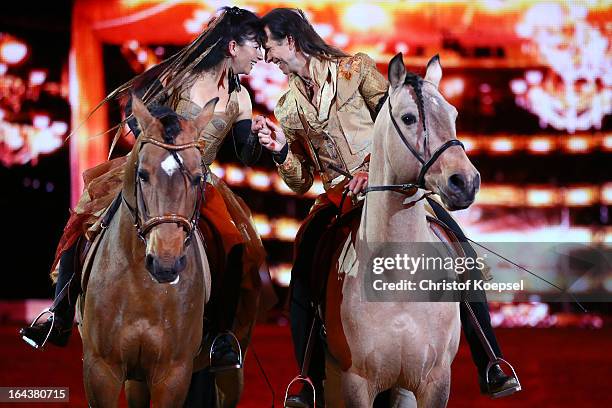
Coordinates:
x,y
167,270
460,192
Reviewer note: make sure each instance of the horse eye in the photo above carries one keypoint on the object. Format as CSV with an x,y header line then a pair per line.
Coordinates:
x,y
143,176
409,119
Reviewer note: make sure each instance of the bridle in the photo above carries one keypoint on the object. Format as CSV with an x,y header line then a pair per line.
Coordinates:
x,y
411,188
146,223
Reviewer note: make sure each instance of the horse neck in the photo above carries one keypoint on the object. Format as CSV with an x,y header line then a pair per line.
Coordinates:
x,y
387,217
123,237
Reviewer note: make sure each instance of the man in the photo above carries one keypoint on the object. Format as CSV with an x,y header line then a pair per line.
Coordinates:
x,y
327,118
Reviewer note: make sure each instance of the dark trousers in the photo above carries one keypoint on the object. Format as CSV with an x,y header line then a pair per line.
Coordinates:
x,y
302,307
65,307
225,293
479,355
220,312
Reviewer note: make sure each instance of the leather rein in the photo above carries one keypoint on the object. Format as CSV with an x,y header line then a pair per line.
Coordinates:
x,y
146,223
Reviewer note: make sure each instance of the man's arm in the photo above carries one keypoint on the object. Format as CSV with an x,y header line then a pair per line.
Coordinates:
x,y
292,162
295,168
373,87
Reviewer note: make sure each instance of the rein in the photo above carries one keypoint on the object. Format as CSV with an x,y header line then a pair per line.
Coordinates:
x,y
147,223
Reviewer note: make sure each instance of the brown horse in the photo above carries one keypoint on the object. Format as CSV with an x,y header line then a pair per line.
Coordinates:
x,y
391,344
149,279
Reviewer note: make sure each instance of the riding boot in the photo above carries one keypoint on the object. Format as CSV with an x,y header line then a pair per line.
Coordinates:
x,y
225,353
302,312
304,397
499,383
219,319
58,327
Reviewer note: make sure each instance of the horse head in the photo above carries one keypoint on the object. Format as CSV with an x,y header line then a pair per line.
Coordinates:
x,y
166,185
424,129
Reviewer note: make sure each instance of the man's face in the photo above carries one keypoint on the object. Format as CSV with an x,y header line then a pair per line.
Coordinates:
x,y
282,53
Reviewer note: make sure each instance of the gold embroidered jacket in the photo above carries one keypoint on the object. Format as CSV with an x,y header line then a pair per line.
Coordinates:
x,y
339,129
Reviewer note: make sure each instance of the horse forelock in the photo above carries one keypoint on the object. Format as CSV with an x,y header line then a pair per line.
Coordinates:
x,y
171,123
416,83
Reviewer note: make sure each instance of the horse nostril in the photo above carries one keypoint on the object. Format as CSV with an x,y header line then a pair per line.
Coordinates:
x,y
457,182
180,264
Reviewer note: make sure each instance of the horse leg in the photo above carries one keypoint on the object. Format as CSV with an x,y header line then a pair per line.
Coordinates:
x,y
434,393
102,384
172,390
137,394
357,391
332,385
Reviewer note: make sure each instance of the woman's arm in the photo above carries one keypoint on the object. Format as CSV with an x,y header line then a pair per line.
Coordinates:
x,y
246,145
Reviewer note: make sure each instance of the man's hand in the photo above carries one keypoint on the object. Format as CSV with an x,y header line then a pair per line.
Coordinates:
x,y
359,182
271,136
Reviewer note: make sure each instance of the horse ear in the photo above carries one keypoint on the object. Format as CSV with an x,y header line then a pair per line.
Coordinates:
x,y
397,71
434,70
207,112
141,113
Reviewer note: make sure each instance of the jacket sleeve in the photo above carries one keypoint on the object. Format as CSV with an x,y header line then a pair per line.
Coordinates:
x,y
297,170
373,87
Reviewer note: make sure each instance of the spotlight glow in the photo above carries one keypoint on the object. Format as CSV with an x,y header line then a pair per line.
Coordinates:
x,y
366,17
13,51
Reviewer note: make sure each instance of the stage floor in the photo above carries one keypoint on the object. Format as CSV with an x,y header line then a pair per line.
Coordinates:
x,y
557,367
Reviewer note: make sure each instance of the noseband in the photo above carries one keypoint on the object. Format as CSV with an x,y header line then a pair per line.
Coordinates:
x,y
410,188
146,224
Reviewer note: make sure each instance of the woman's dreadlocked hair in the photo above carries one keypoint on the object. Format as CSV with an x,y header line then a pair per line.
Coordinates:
x,y
204,53
234,24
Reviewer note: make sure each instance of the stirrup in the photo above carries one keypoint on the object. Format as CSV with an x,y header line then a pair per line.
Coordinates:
x,y
508,391
41,314
299,378
230,367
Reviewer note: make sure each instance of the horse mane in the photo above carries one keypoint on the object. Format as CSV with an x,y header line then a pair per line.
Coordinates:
x,y
416,83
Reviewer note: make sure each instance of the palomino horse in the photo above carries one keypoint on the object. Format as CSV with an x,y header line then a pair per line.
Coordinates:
x,y
392,344
149,280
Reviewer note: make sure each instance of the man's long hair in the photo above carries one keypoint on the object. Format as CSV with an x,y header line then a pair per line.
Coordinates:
x,y
284,22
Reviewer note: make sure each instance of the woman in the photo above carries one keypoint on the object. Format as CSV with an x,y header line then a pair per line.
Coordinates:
x,y
205,69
